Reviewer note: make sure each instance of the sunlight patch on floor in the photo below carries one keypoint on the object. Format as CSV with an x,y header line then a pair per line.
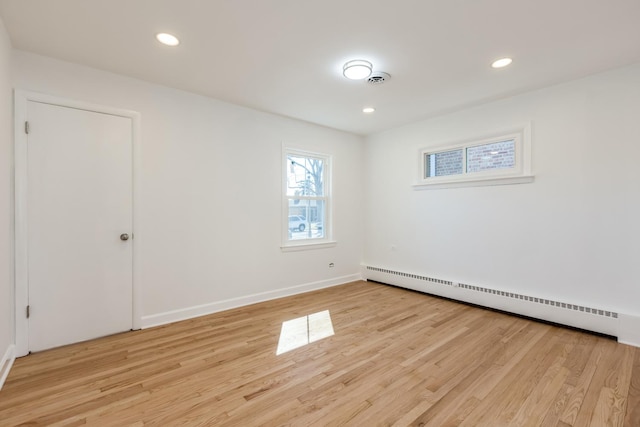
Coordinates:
x,y
304,330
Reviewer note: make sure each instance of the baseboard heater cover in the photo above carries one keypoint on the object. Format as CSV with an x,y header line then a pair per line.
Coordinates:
x,y
589,318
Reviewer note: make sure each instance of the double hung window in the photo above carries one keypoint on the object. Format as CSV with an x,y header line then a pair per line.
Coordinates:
x,y
306,198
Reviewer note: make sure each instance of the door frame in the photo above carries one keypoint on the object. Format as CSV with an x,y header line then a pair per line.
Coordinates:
x,y
21,100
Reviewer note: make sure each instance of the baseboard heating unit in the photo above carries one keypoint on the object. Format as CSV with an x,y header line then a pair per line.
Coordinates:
x,y
596,319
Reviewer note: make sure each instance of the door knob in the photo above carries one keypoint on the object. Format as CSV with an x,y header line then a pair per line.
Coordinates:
x,y
124,236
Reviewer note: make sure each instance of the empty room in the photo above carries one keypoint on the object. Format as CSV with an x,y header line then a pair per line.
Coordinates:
x,y
295,213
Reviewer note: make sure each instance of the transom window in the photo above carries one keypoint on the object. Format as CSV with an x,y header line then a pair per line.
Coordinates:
x,y
502,159
492,156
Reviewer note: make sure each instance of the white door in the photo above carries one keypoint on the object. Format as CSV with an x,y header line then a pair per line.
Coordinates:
x,y
79,215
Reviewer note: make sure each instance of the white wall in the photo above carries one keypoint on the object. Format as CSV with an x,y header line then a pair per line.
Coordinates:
x,y
573,235
209,197
6,194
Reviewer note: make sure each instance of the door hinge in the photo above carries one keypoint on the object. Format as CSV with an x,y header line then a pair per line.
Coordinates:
x,y
28,311
26,128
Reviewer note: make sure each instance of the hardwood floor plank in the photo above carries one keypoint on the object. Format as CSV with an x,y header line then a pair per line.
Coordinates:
x,y
609,351
552,418
580,391
611,405
498,374
397,357
538,403
632,417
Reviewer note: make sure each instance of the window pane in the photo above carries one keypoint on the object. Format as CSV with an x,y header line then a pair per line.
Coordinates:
x,y
445,163
306,219
497,155
305,176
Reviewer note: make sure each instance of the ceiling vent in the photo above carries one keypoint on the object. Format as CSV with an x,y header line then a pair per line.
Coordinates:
x,y
378,77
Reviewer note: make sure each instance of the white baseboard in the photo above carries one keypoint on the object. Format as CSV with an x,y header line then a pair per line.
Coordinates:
x,y
629,330
6,363
214,307
597,319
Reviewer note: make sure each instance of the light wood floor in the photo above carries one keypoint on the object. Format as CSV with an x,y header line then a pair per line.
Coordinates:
x,y
397,358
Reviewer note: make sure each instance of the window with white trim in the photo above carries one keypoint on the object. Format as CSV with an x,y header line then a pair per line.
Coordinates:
x,y
306,218
503,159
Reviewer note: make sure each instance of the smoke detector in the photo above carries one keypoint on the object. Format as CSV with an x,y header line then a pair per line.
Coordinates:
x,y
378,77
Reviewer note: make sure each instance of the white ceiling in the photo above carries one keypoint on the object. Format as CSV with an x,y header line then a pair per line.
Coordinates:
x,y
286,56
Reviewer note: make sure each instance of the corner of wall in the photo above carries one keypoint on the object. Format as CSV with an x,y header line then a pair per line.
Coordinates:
x,y
7,338
629,330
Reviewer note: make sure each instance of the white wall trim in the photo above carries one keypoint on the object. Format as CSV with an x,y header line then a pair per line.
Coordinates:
x,y
21,99
308,246
481,182
214,307
6,363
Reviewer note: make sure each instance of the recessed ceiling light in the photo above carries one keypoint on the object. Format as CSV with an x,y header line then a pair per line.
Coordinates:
x,y
168,39
368,110
503,62
357,69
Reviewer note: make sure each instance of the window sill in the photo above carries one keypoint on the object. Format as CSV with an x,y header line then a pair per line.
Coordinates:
x,y
478,182
308,246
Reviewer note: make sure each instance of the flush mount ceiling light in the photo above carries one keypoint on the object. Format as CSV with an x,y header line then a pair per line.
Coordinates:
x,y
368,110
357,69
167,39
502,62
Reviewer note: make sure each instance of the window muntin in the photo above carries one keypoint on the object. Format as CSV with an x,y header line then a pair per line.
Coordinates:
x,y
306,198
